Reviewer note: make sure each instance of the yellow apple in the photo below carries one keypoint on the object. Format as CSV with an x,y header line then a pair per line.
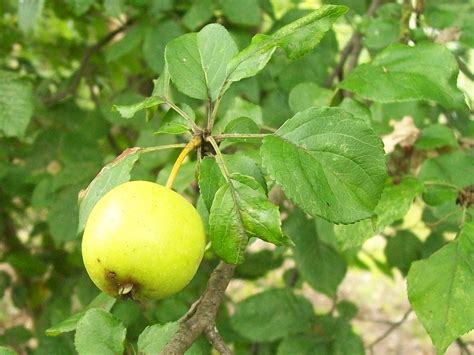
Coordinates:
x,y
142,240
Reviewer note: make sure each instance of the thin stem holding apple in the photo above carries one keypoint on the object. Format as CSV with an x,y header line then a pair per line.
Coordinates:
x,y
193,143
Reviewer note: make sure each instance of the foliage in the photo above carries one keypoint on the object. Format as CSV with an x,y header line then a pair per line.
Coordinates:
x,y
288,114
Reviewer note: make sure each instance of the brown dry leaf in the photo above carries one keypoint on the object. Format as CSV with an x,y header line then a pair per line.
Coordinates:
x,y
404,133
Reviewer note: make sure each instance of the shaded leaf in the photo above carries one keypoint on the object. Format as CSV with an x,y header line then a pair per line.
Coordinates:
x,y
278,312
16,104
321,266
441,290
403,249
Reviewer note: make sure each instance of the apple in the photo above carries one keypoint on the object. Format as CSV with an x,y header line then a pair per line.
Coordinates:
x,y
142,240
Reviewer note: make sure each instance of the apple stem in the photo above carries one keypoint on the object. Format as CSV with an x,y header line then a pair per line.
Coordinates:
x,y
193,143
125,289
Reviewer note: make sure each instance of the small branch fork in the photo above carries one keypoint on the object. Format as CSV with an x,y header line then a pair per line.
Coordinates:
x,y
201,316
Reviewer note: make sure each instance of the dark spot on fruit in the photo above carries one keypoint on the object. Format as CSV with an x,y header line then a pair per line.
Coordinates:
x,y
98,260
126,288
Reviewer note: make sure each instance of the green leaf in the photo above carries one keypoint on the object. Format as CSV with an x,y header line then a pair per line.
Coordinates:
x,y
186,176
320,265
102,301
128,111
156,38
329,163
382,32
99,332
296,39
63,217
126,45
174,123
113,8
80,7
394,203
154,338
6,351
242,12
197,62
436,136
306,95
455,168
357,109
403,249
441,290
211,178
199,13
26,264
303,344
271,315
15,336
407,73
16,104
242,125
258,264
239,108
29,11
396,200
241,210
111,175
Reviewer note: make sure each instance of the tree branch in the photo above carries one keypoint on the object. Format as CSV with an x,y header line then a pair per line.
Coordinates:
x,y
216,340
84,65
464,69
393,327
351,51
205,311
338,70
463,346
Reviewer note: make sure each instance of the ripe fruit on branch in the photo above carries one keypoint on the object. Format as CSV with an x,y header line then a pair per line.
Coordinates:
x,y
142,240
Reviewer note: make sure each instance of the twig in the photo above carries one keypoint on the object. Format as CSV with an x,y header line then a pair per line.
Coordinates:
x,y
216,340
355,53
338,70
464,69
407,11
357,47
463,346
83,66
351,51
390,330
205,313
